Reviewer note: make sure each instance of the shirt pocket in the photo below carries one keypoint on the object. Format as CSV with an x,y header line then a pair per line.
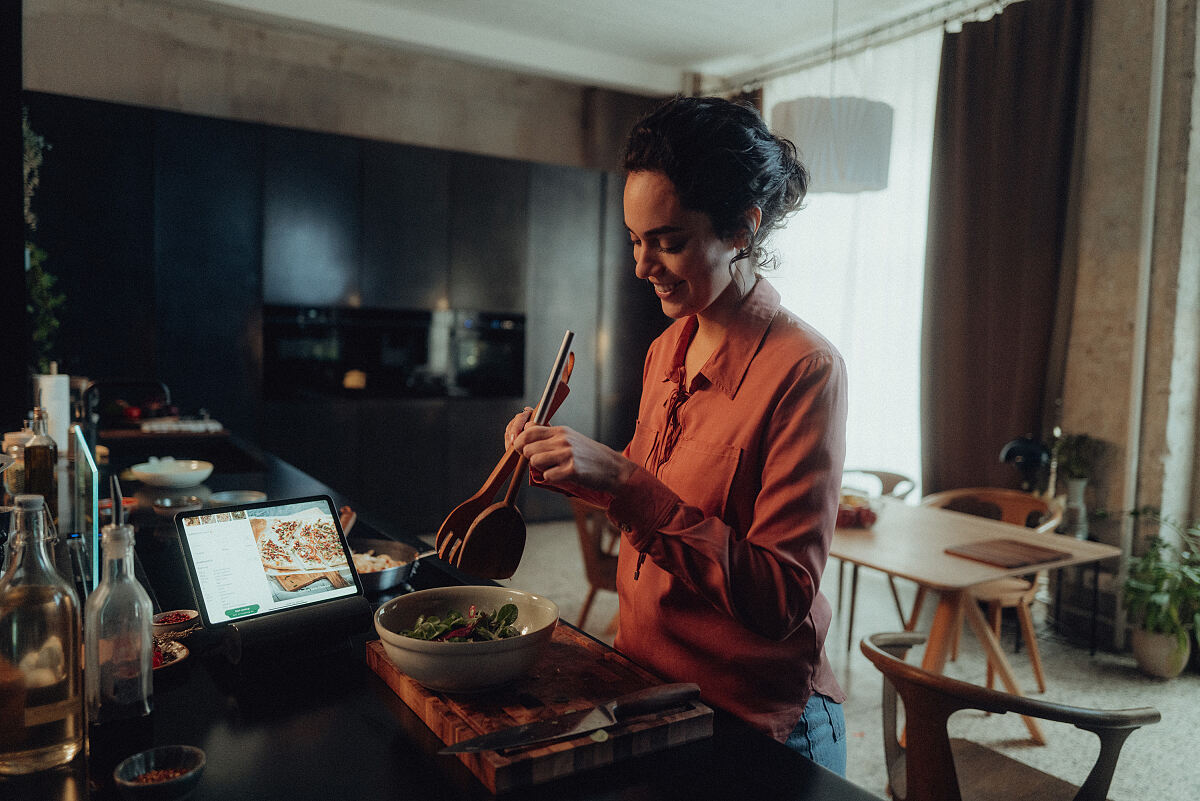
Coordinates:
x,y
702,474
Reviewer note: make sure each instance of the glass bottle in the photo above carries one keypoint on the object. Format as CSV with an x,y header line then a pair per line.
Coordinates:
x,y
41,698
41,463
119,636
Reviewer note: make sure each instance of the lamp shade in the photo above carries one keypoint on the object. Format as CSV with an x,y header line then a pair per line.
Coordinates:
x,y
845,142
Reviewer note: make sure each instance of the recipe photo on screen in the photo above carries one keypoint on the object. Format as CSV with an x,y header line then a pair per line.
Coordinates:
x,y
249,562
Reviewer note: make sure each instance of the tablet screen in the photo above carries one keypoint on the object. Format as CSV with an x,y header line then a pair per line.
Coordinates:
x,y
255,559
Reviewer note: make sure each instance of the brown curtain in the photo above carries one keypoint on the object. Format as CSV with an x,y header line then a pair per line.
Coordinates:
x,y
1004,136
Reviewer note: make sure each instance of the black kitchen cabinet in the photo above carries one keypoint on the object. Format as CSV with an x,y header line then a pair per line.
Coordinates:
x,y
311,220
208,235
169,232
489,203
405,226
95,222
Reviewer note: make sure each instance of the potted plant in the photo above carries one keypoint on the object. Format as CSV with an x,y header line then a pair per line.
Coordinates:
x,y
1074,457
1162,596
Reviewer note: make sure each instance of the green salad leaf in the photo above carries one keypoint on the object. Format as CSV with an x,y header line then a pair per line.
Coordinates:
x,y
476,626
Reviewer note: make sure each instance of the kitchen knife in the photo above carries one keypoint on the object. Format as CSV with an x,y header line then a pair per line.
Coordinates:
x,y
573,724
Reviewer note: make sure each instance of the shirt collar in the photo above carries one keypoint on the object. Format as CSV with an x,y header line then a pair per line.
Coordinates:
x,y
728,365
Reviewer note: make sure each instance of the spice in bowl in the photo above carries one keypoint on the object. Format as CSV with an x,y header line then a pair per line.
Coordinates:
x,y
175,620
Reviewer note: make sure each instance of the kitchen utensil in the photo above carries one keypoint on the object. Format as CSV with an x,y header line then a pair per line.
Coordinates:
x,y
493,545
465,667
450,535
406,555
643,702
455,526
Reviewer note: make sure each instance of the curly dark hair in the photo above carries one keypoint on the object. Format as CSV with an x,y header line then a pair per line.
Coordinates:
x,y
722,161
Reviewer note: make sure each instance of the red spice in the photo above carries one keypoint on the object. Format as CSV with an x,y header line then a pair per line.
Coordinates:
x,y
174,617
160,775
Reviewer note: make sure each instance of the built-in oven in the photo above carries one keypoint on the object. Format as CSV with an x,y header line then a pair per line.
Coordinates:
x,y
391,353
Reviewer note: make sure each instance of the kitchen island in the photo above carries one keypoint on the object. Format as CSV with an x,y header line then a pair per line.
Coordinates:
x,y
304,725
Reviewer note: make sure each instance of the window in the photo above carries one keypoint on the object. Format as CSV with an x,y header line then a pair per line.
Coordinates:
x,y
852,265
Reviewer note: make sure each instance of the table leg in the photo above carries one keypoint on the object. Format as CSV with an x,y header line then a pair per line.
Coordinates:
x,y
947,619
997,659
853,601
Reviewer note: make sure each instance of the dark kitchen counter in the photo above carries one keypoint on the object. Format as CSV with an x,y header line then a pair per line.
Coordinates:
x,y
300,725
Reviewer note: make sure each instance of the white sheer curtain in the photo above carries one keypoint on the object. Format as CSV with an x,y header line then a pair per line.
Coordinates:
x,y
853,265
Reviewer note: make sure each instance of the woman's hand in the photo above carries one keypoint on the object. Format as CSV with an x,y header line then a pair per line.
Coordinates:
x,y
566,458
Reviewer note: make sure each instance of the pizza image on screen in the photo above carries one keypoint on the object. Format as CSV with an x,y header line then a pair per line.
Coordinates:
x,y
306,541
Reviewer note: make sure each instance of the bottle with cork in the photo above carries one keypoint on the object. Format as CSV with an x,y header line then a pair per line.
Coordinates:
x,y
41,463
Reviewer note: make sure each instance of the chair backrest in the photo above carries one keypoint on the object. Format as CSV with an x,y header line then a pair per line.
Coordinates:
x,y
599,564
892,484
997,503
925,762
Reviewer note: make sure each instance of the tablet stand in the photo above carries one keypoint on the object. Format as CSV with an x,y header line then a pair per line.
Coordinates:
x,y
298,634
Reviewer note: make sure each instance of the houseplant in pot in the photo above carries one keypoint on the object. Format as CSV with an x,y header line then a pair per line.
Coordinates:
x,y
1074,457
1162,596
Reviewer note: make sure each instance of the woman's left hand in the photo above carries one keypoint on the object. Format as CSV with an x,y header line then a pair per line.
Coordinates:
x,y
567,459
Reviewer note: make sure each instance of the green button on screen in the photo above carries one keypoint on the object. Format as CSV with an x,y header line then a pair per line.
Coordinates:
x,y
241,611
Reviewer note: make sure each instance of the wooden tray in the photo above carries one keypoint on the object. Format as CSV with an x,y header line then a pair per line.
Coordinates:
x,y
575,671
1007,553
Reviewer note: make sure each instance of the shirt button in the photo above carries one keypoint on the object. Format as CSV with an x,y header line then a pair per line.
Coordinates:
x,y
625,527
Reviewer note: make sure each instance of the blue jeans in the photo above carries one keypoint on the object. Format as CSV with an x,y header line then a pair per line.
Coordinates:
x,y
821,734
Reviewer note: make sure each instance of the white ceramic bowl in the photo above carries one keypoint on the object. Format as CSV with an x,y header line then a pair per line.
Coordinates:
x,y
465,667
170,472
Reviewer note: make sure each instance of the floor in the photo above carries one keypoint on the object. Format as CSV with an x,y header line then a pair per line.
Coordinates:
x,y
1158,762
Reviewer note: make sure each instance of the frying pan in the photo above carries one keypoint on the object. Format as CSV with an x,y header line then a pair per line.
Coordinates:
x,y
393,576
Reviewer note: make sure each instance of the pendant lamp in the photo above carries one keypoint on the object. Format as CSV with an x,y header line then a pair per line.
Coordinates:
x,y
845,142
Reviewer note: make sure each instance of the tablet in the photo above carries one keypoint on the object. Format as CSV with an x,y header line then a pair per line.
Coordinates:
x,y
255,559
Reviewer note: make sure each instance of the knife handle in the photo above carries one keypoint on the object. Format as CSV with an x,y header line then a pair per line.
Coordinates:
x,y
654,699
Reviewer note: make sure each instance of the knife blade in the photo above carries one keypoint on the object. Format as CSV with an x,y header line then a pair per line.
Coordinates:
x,y
573,724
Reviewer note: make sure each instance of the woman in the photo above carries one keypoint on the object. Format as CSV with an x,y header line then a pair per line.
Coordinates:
x,y
727,495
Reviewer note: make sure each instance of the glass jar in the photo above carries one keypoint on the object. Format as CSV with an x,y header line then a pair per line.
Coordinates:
x,y
41,698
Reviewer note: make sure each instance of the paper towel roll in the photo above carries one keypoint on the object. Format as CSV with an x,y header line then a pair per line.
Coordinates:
x,y
53,393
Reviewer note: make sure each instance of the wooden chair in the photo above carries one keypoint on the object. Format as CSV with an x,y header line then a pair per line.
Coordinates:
x,y
893,485
598,540
1011,506
939,768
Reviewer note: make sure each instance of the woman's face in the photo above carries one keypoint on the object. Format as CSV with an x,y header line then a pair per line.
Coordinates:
x,y
675,249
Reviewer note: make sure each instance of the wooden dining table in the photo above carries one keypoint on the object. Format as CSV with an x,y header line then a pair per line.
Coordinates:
x,y
911,542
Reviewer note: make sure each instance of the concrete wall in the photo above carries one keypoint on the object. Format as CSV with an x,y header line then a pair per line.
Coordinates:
x,y
151,53
1125,344
1132,357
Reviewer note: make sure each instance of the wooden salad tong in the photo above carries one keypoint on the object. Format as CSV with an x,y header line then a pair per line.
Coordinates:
x,y
451,536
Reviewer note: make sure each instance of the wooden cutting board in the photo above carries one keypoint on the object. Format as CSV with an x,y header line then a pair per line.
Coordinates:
x,y
574,672
295,581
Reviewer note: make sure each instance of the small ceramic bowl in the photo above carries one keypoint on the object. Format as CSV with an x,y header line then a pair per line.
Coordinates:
x,y
190,618
168,772
168,506
233,497
465,667
171,472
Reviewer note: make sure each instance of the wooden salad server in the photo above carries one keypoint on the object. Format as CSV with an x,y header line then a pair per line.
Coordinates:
x,y
495,542
454,527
